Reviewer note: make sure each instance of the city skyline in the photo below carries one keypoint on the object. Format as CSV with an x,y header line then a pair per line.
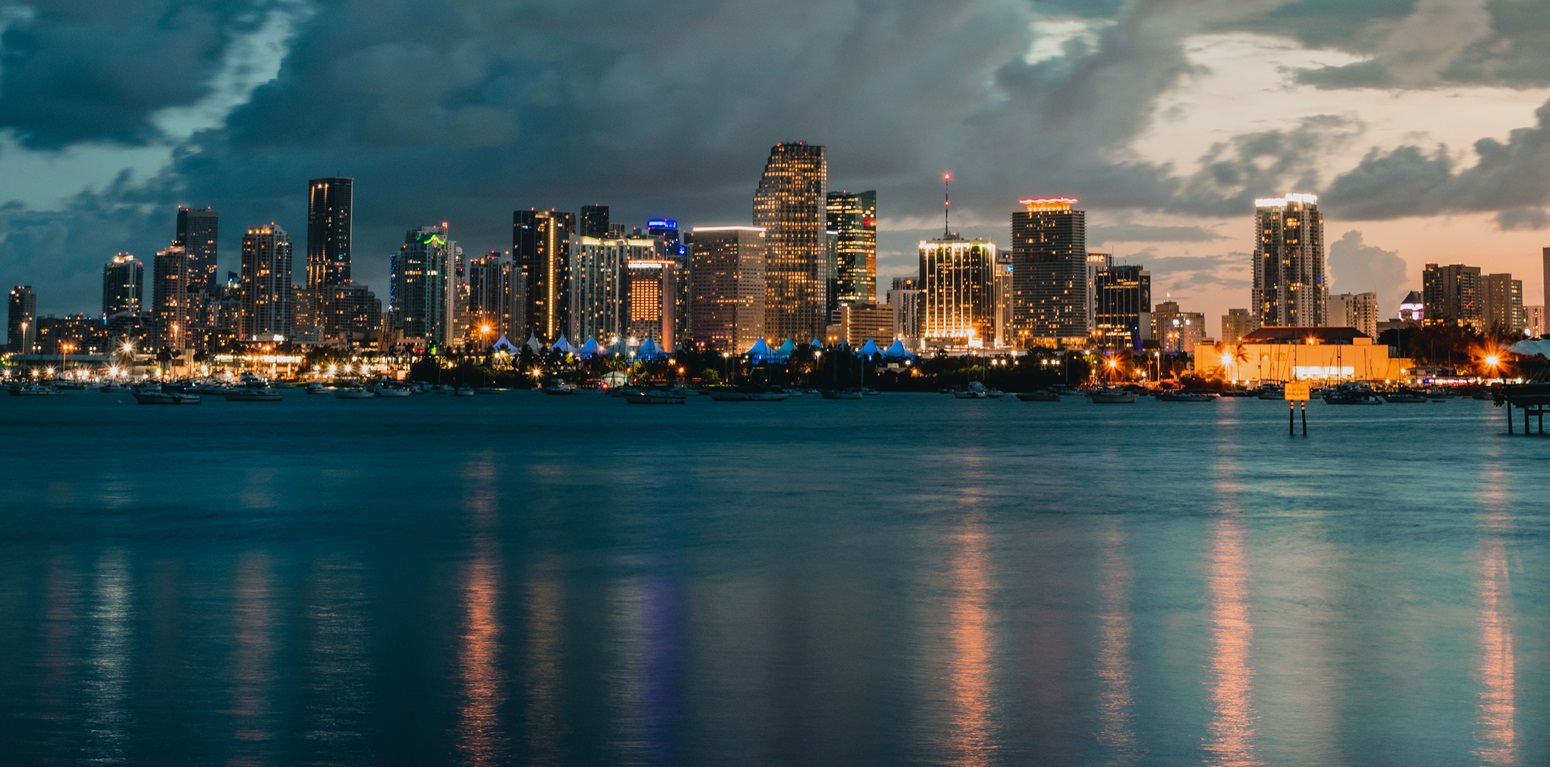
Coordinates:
x,y
1165,143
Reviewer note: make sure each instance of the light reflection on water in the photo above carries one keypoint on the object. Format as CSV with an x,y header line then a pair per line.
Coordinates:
x,y
925,582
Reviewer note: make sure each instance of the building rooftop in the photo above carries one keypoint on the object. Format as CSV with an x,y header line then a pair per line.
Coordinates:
x,y
1293,334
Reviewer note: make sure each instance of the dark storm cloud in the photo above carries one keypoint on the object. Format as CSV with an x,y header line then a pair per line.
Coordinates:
x,y
1236,172
1507,179
74,71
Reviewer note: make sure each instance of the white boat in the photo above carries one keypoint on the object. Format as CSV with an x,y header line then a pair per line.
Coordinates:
x,y
464,391
1112,397
253,394
977,390
389,390
354,392
559,387
34,390
316,388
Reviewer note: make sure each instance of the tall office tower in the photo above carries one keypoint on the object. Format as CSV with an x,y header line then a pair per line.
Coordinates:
x,y
853,219
1236,324
198,232
1451,295
418,277
727,286
21,324
1004,306
123,280
1354,310
540,246
1289,284
171,297
651,297
908,308
597,289
790,206
958,283
1049,273
594,221
266,284
665,230
1534,320
1502,304
492,297
330,209
1095,262
1122,301
1177,331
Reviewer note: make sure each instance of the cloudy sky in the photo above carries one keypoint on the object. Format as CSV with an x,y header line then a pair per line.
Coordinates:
x,y
1424,125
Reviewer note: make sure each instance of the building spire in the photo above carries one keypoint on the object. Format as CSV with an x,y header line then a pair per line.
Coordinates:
x,y
947,203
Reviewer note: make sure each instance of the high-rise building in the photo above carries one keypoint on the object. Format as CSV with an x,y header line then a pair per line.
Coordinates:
x,y
351,312
123,285
958,287
1501,299
1236,324
493,297
21,323
173,305
790,205
330,212
1289,266
1049,273
1095,263
852,217
594,221
665,230
419,277
904,298
1534,320
1451,295
198,234
1177,331
540,246
727,286
600,286
651,297
267,312
1122,300
1354,310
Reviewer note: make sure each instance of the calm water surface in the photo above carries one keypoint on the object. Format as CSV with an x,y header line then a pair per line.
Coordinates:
x,y
909,579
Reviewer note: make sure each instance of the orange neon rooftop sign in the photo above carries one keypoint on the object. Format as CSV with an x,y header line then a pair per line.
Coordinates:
x,y
1045,204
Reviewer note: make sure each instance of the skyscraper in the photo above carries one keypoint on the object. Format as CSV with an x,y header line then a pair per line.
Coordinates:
x,y
1451,295
790,205
540,246
597,287
1236,324
123,285
330,208
958,288
651,296
1049,273
1177,331
1289,284
853,219
1354,310
492,298
21,324
1122,302
594,221
198,232
727,286
267,312
419,278
1502,304
171,272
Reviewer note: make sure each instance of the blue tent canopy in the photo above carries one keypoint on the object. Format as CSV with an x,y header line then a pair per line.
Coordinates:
x,y
869,349
759,350
590,348
562,345
898,352
815,343
503,344
534,344
785,350
649,350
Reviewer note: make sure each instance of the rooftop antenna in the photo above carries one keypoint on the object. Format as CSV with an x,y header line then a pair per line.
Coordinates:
x,y
947,203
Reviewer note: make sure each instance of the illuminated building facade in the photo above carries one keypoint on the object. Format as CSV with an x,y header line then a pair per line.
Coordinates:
x,y
123,285
651,299
1122,299
1289,268
1177,331
1354,310
857,323
197,234
599,285
852,217
1451,295
1318,354
904,299
671,241
594,221
1412,308
1502,304
420,279
171,298
726,277
352,313
493,298
1534,320
1049,273
540,247
958,288
791,206
21,321
266,283
330,210
1236,324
